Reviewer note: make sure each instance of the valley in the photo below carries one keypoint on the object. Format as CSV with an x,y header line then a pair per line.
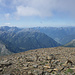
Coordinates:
x,y
19,40
62,35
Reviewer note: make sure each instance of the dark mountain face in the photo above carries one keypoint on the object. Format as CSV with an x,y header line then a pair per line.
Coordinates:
x,y
62,35
33,40
3,49
19,40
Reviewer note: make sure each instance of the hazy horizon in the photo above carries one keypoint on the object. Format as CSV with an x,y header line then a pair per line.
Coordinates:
x,y
40,26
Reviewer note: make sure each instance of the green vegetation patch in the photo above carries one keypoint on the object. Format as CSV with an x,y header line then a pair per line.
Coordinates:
x,y
69,70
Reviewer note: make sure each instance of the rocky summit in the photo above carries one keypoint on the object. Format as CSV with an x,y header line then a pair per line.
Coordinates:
x,y
45,61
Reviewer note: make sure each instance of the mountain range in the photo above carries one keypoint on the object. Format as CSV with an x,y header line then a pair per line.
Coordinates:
x,y
63,35
45,61
17,40
20,39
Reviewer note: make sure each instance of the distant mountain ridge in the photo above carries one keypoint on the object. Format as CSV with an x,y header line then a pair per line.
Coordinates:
x,y
19,39
62,35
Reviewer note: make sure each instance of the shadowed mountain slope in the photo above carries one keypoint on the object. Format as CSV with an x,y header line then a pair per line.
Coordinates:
x,y
3,49
19,40
62,35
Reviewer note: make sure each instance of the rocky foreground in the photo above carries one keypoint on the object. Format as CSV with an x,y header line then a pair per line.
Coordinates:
x,y
46,61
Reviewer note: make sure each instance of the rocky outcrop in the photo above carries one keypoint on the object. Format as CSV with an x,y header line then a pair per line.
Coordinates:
x,y
4,50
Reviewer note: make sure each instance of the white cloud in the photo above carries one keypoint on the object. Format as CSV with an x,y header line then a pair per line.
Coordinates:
x,y
7,24
34,8
26,11
42,8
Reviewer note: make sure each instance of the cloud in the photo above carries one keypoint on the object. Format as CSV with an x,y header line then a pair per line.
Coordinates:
x,y
26,11
42,8
45,7
7,24
34,8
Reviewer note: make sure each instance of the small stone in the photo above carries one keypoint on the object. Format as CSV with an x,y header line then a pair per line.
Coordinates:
x,y
51,57
45,73
55,69
35,66
25,68
69,61
26,65
29,60
40,67
56,62
49,70
1,69
47,67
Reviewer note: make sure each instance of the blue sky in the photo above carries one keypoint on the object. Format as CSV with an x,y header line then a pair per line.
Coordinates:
x,y
37,13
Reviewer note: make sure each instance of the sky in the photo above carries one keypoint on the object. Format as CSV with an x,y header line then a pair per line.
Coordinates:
x,y
37,13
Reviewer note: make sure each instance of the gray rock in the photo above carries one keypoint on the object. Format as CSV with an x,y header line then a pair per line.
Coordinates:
x,y
1,69
35,66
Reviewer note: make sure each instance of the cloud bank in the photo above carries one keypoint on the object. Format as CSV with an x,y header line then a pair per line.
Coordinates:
x,y
41,8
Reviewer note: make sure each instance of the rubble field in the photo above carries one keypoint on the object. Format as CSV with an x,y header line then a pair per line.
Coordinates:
x,y
45,61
